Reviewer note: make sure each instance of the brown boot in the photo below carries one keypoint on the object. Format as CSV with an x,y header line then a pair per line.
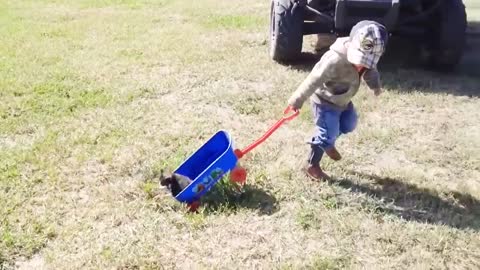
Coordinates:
x,y
316,173
333,153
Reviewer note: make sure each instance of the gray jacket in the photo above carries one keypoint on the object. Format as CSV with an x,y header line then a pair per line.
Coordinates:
x,y
334,79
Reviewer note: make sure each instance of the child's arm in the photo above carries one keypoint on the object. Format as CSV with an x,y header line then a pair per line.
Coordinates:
x,y
372,79
313,81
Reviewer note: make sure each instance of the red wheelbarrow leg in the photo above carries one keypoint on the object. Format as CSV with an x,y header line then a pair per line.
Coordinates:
x,y
238,175
193,207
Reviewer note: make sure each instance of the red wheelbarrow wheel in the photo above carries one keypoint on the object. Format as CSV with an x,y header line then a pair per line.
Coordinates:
x,y
238,175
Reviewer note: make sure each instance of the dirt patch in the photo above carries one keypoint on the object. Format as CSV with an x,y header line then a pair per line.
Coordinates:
x,y
37,262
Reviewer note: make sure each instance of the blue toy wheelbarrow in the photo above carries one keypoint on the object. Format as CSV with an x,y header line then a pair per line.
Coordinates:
x,y
214,159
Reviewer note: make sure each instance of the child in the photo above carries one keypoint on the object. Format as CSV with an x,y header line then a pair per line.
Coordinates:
x,y
333,82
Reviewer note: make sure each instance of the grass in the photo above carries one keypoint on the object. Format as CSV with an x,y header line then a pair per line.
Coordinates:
x,y
99,96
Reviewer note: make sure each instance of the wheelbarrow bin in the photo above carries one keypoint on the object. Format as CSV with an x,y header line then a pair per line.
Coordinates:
x,y
216,158
206,166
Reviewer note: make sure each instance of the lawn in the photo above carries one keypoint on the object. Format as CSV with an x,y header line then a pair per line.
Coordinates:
x,y
97,97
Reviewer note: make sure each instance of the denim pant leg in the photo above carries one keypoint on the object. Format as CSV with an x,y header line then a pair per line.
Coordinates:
x,y
348,119
327,129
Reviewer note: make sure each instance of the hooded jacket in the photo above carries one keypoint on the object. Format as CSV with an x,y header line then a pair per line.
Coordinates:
x,y
334,80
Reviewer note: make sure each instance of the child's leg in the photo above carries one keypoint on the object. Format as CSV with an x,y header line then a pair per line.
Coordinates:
x,y
327,125
348,119
313,170
316,154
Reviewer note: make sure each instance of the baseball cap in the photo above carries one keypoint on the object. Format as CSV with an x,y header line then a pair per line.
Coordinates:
x,y
368,40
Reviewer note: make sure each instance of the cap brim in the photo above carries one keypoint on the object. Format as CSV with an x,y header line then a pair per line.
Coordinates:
x,y
358,57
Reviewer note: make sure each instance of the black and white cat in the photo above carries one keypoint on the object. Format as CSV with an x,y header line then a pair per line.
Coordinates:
x,y
175,182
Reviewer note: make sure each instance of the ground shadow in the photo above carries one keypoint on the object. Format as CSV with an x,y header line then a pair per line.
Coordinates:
x,y
402,69
228,197
454,209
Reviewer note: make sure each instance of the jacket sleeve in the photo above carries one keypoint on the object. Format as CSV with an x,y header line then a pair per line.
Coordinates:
x,y
372,79
314,80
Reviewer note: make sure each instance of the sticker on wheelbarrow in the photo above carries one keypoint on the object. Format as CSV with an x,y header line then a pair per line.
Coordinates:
x,y
214,175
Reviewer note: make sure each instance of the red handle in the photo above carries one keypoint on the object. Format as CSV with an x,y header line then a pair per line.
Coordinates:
x,y
285,118
290,109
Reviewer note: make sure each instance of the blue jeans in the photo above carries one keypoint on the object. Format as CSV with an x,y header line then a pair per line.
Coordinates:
x,y
330,123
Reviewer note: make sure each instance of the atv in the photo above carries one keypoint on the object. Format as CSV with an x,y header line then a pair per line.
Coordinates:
x,y
437,26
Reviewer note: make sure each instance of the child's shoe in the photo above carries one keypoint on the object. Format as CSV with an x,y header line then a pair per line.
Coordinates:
x,y
316,173
333,153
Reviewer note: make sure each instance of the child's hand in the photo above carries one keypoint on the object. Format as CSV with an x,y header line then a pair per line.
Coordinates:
x,y
290,108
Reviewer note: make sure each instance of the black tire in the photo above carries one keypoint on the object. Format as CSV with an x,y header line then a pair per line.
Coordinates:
x,y
286,36
448,36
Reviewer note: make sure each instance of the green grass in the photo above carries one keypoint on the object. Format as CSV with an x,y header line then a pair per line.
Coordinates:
x,y
242,22
99,96
322,263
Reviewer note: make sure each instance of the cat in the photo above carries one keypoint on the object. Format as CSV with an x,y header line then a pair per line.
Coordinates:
x,y
175,182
